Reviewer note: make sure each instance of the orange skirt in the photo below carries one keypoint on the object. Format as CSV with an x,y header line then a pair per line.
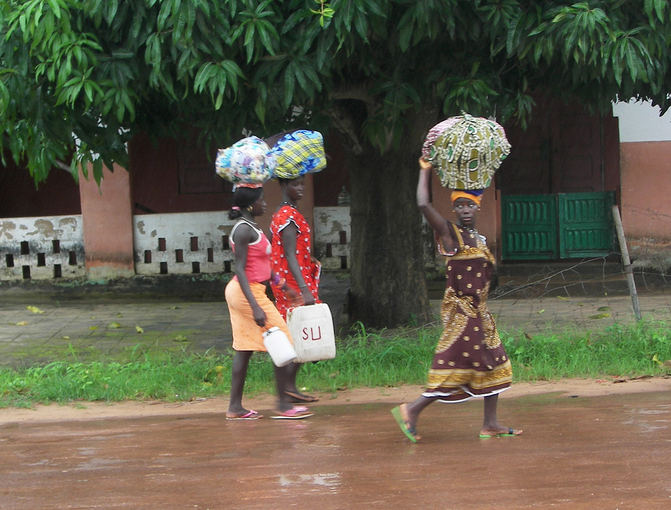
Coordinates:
x,y
247,334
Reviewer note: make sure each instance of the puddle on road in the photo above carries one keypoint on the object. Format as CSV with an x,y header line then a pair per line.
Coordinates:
x,y
649,420
315,483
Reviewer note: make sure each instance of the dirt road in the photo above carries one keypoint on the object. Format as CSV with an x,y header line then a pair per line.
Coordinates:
x,y
586,444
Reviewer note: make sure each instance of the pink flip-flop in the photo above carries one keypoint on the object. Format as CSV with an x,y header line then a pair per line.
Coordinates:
x,y
249,415
295,413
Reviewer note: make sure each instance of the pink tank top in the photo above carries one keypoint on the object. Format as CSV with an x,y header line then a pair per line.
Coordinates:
x,y
258,255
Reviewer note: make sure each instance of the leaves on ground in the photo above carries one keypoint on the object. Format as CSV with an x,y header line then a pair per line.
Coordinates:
x,y
602,315
34,309
139,329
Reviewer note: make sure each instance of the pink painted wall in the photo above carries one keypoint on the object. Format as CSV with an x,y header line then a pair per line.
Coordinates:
x,y
108,224
645,189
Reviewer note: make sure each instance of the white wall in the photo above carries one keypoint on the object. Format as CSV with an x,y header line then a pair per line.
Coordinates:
x,y
182,243
41,248
640,122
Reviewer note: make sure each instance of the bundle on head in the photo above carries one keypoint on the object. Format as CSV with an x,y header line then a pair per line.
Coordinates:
x,y
466,151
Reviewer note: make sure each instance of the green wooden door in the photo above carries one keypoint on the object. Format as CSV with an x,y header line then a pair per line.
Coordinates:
x,y
549,227
529,227
585,224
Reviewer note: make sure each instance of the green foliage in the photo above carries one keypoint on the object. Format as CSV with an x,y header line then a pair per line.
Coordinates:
x,y
78,78
365,359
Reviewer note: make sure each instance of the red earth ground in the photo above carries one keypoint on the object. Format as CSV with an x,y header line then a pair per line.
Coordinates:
x,y
586,445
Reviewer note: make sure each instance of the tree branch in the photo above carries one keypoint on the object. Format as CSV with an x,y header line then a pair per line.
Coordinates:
x,y
356,93
63,166
344,123
343,119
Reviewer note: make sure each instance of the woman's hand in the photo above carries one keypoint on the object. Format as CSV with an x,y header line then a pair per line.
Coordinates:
x,y
308,298
424,164
293,296
259,315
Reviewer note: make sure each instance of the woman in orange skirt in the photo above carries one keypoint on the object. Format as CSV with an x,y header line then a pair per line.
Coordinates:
x,y
251,312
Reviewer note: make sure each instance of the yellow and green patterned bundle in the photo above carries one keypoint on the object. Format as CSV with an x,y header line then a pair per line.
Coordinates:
x,y
298,153
467,154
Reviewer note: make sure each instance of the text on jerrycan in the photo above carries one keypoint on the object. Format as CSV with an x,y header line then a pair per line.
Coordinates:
x,y
308,333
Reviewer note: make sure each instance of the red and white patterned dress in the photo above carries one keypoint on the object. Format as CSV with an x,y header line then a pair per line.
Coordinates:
x,y
309,268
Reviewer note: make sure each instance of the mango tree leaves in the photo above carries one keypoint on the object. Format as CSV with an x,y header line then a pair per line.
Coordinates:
x,y
78,78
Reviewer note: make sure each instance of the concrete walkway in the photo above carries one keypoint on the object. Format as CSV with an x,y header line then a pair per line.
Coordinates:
x,y
49,330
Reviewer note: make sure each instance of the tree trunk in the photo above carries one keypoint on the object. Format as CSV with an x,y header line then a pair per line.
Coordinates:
x,y
388,286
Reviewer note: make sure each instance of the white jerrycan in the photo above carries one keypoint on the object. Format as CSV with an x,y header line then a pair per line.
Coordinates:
x,y
279,347
311,328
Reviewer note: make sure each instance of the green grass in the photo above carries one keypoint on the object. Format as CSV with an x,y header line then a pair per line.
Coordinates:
x,y
365,359
629,351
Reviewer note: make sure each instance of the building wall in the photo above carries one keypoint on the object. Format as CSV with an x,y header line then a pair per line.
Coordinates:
x,y
19,197
107,224
169,176
329,183
645,162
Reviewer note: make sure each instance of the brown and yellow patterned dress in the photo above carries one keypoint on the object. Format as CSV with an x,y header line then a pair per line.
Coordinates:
x,y
469,360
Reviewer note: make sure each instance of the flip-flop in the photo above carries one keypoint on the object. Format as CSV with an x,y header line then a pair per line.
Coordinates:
x,y
410,432
295,413
511,433
249,415
298,397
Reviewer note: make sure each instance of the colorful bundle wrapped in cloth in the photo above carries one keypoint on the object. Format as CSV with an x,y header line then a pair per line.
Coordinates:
x,y
466,151
298,153
246,162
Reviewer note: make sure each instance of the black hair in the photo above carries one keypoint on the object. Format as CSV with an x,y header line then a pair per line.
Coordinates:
x,y
243,198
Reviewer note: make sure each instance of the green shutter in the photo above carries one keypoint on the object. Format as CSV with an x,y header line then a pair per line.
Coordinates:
x,y
529,227
585,224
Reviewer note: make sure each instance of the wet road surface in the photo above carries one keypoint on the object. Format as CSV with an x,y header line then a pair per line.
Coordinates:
x,y
610,452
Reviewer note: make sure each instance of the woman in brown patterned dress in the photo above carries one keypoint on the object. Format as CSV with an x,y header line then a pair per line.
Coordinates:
x,y
469,360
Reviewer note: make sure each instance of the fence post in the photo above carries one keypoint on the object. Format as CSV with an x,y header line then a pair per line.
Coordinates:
x,y
626,262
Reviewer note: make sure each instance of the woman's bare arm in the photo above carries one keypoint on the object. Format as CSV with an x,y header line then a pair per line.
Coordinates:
x,y
244,235
289,234
435,219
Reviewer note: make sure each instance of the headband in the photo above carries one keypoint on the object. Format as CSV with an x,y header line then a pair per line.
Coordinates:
x,y
474,194
252,185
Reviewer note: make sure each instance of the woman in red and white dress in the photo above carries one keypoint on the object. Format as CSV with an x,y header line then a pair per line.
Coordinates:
x,y
291,259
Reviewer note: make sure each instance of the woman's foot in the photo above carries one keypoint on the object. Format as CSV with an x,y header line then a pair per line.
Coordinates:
x,y
294,413
406,422
297,397
244,414
499,431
